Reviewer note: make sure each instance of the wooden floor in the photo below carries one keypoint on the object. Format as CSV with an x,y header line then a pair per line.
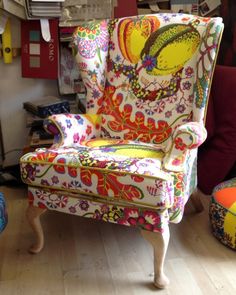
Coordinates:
x,y
83,256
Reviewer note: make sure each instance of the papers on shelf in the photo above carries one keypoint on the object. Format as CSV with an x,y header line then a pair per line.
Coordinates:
x,y
73,15
206,7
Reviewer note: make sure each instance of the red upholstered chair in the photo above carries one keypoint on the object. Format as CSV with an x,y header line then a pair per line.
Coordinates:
x,y
131,159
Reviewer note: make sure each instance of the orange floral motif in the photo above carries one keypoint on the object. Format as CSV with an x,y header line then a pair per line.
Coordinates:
x,y
153,131
44,156
180,182
60,168
108,182
72,171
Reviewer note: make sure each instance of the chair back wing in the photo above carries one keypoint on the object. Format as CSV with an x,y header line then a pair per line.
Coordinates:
x,y
90,47
146,75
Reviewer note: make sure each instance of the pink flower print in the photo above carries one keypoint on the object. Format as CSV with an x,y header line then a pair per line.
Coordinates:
x,y
131,212
147,220
41,195
82,66
180,108
168,114
160,106
91,39
76,138
62,201
176,162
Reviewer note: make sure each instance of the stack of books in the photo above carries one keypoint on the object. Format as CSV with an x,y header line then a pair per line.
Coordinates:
x,y
37,111
47,106
209,7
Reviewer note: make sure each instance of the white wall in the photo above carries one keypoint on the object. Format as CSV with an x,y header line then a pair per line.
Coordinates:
x,y
14,90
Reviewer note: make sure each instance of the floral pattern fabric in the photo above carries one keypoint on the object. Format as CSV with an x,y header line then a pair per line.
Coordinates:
x,y
147,80
144,80
71,129
120,170
116,213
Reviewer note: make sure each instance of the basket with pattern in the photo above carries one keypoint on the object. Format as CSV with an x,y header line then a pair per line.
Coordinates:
x,y
223,213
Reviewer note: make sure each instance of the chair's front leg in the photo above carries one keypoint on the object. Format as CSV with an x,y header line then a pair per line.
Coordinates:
x,y
33,215
160,243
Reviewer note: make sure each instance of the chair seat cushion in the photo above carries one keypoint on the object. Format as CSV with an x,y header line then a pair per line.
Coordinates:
x,y
128,171
223,213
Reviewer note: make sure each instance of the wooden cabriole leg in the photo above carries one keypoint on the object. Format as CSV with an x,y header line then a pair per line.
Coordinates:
x,y
160,242
33,215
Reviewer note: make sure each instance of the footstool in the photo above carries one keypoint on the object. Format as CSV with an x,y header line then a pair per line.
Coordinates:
x,y
223,213
3,213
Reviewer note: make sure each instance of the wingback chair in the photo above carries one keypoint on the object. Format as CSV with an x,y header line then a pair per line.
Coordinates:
x,y
131,159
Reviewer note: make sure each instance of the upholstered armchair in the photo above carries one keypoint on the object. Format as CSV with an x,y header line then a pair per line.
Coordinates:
x,y
131,159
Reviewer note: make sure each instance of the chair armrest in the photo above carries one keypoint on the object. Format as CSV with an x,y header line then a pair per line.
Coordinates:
x,y
185,137
72,129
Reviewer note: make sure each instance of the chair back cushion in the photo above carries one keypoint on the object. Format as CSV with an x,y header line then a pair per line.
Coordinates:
x,y
146,75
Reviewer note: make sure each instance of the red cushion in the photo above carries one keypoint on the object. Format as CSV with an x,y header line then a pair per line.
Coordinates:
x,y
218,155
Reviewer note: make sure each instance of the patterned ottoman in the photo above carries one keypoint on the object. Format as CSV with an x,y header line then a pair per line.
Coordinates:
x,y
3,213
223,213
